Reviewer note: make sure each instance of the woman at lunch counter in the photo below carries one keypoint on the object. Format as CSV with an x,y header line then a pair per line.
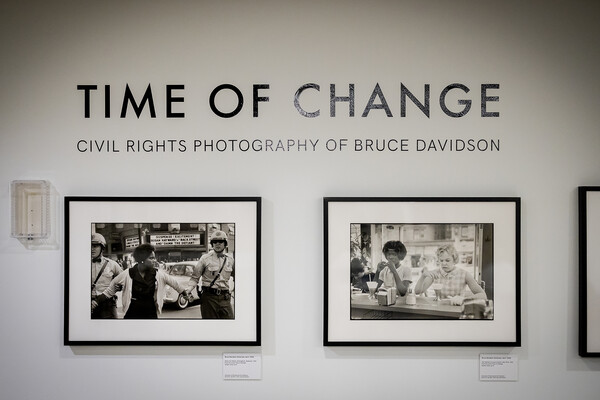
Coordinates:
x,y
360,275
391,274
454,280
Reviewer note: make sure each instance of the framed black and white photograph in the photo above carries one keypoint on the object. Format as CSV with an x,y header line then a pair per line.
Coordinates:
x,y
422,271
162,271
589,271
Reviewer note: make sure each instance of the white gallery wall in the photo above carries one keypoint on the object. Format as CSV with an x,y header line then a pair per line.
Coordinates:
x,y
543,55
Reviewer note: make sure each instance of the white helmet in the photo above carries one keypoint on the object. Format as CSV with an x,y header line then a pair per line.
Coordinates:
x,y
218,235
98,239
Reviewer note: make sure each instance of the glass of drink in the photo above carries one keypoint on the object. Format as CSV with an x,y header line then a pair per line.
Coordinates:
x,y
437,288
372,288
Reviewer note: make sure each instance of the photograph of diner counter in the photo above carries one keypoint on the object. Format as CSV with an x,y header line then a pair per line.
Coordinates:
x,y
362,307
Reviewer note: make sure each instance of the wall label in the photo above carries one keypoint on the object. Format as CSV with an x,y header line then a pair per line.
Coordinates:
x,y
242,366
498,367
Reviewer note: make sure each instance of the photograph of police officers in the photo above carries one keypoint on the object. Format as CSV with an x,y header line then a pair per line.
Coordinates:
x,y
163,270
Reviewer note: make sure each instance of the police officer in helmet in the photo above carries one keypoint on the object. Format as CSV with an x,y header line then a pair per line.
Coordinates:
x,y
213,273
104,270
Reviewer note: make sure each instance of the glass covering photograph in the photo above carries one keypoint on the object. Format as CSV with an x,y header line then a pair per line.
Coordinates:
x,y
162,271
422,271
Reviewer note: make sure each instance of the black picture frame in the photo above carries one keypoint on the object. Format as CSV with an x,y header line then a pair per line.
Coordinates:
x,y
239,217
403,327
589,271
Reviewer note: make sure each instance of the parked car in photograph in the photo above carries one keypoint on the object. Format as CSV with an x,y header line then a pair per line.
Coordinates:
x,y
181,271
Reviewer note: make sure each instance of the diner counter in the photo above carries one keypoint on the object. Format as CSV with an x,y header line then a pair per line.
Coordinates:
x,y
426,308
